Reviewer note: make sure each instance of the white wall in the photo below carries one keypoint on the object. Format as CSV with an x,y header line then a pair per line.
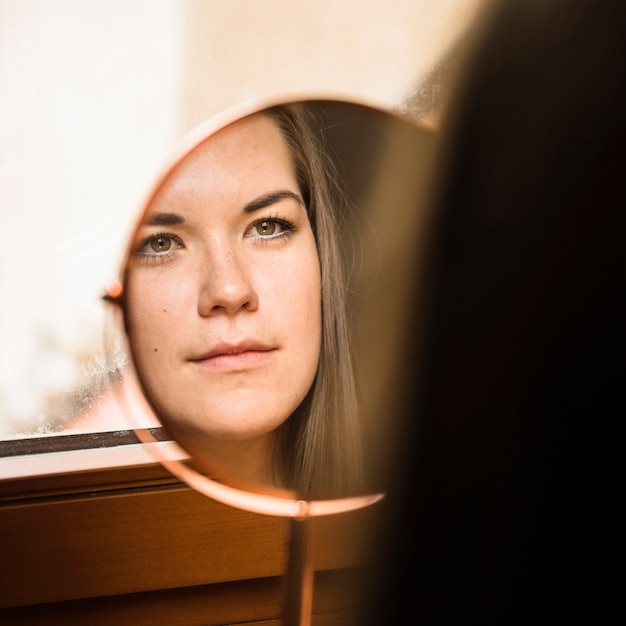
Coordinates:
x,y
94,94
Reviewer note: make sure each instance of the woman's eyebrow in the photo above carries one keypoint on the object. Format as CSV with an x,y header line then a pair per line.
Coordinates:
x,y
164,219
271,198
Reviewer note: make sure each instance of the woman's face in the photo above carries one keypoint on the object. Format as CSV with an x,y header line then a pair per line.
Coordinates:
x,y
223,290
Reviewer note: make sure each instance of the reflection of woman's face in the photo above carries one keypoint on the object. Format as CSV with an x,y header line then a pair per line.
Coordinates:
x,y
223,289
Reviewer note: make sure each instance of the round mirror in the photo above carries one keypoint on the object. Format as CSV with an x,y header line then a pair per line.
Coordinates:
x,y
263,297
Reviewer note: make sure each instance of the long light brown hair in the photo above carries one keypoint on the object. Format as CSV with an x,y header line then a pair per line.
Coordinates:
x,y
319,448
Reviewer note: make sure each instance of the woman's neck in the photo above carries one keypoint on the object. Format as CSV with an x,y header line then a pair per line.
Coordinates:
x,y
246,463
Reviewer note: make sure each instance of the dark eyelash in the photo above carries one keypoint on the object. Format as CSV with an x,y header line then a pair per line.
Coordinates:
x,y
156,257
157,236
288,226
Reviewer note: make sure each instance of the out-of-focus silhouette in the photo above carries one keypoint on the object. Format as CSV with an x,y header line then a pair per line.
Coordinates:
x,y
506,505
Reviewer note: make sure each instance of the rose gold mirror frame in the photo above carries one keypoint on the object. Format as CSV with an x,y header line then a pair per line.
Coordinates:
x,y
299,576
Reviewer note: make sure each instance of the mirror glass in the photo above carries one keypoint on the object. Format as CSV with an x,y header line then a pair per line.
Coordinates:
x,y
264,292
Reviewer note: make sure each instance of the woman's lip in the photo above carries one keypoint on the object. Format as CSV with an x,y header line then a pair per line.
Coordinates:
x,y
232,349
235,360
237,356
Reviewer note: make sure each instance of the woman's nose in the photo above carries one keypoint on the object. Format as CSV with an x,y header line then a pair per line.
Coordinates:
x,y
226,286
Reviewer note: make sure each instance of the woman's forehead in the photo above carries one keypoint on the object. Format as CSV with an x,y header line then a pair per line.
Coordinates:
x,y
249,157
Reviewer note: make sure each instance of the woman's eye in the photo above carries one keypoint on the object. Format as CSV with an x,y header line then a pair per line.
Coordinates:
x,y
268,228
158,245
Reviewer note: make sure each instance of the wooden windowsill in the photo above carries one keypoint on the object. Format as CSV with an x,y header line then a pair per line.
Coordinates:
x,y
90,533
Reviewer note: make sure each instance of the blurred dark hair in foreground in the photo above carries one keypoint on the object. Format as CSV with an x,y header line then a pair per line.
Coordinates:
x,y
506,504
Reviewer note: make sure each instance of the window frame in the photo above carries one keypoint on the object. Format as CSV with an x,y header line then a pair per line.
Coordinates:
x,y
103,533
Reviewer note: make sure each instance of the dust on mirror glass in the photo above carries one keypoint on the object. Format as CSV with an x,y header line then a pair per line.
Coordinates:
x,y
263,293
